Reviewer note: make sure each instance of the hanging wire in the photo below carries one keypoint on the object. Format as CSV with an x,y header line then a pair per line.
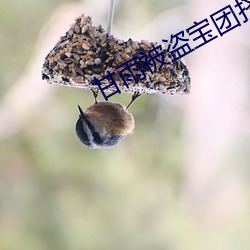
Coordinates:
x,y
110,15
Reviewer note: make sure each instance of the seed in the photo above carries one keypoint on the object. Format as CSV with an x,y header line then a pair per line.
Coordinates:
x,y
96,76
77,79
89,72
105,81
98,61
64,43
103,37
88,62
83,21
68,54
78,70
93,43
77,57
61,62
119,59
85,46
77,29
128,50
84,28
146,43
69,60
120,42
125,56
89,77
77,51
135,45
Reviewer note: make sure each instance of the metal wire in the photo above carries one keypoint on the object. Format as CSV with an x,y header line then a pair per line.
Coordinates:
x,y
110,15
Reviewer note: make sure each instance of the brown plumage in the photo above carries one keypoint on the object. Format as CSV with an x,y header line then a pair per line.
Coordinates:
x,y
112,118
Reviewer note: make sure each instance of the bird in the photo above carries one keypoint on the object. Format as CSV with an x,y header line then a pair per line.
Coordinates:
x,y
104,124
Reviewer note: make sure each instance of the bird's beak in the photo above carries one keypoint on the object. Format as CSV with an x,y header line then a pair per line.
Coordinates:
x,y
82,115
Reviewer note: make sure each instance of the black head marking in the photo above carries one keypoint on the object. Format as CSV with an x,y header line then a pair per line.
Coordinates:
x,y
81,133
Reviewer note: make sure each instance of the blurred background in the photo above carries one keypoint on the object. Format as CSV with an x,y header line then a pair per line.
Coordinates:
x,y
180,182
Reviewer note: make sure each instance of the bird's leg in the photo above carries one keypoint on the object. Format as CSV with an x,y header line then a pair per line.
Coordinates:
x,y
95,94
134,97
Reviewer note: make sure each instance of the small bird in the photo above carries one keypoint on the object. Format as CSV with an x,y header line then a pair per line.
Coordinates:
x,y
104,124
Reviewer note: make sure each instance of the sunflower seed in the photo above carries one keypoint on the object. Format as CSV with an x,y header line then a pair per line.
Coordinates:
x,y
85,46
88,62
